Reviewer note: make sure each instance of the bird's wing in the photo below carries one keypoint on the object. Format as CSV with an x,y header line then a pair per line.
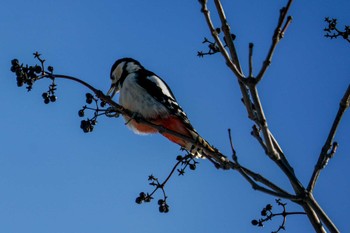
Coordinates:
x,y
161,92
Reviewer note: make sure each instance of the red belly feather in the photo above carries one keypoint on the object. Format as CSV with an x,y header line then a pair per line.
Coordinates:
x,y
173,123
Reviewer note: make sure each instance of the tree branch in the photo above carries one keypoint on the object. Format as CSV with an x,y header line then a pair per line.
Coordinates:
x,y
251,177
329,145
250,60
323,216
233,66
228,35
274,190
277,36
261,120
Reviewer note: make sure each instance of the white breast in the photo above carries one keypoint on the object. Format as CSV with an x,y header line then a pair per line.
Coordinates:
x,y
134,98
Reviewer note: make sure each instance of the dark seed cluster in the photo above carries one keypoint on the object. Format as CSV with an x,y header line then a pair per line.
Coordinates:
x,y
50,96
163,206
146,197
183,162
267,214
88,125
143,197
25,75
28,75
332,31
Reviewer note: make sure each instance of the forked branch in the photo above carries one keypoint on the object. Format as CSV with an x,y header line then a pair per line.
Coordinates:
x,y
255,111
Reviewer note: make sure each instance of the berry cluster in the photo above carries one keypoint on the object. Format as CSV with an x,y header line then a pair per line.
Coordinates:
x,y
163,206
50,96
88,125
146,197
25,74
333,32
183,162
267,215
143,197
266,212
28,75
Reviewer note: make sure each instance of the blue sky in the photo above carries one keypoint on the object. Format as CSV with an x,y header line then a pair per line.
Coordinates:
x,y
54,178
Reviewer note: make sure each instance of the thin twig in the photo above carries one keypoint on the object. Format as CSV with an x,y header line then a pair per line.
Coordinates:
x,y
256,134
228,35
235,69
329,144
231,64
277,36
270,142
263,123
259,178
230,44
260,188
250,61
250,176
234,154
174,168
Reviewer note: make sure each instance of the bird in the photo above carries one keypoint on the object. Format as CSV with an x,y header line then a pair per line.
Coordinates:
x,y
147,95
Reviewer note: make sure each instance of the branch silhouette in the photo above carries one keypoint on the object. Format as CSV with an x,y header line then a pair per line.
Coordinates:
x,y
252,102
333,32
104,106
28,75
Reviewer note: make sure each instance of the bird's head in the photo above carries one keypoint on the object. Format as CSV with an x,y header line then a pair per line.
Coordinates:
x,y
119,71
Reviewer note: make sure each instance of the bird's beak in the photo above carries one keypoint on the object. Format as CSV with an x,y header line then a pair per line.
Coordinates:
x,y
113,90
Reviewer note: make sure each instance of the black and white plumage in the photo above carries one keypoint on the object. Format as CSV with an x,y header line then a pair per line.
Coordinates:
x,y
143,92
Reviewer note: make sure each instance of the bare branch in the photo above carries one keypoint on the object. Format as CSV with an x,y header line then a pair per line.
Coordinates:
x,y
251,46
277,36
251,177
256,134
329,147
228,35
313,218
235,69
279,192
321,214
262,120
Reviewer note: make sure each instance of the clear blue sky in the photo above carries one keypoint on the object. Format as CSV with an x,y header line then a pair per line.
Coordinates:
x,y
54,178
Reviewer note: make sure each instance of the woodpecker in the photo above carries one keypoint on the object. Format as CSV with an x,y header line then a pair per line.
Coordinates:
x,y
146,94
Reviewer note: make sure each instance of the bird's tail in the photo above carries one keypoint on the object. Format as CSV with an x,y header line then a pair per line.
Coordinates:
x,y
198,146
202,149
